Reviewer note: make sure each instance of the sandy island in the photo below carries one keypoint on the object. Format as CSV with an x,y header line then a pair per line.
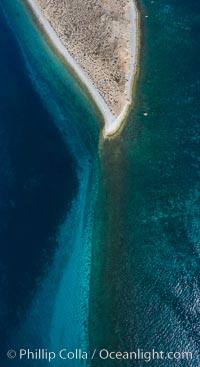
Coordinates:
x,y
99,40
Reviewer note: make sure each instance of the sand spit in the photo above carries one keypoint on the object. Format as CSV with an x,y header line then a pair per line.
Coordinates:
x,y
99,41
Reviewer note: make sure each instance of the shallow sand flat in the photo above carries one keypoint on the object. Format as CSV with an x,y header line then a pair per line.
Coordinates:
x,y
100,40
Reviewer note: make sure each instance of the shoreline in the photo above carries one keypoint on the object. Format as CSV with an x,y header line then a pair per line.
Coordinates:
x,y
133,75
112,123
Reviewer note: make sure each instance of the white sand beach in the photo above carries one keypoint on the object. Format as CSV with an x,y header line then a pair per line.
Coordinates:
x,y
112,121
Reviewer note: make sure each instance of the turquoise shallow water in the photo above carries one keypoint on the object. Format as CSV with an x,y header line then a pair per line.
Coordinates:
x,y
49,309
124,270
148,282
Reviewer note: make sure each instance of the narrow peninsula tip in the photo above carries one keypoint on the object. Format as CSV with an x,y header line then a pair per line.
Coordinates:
x,y
99,40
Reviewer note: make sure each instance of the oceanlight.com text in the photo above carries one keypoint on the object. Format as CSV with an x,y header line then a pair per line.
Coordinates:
x,y
101,354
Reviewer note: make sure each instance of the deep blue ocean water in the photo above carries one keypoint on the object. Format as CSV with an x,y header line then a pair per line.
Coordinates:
x,y
48,163
121,272
147,283
38,183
